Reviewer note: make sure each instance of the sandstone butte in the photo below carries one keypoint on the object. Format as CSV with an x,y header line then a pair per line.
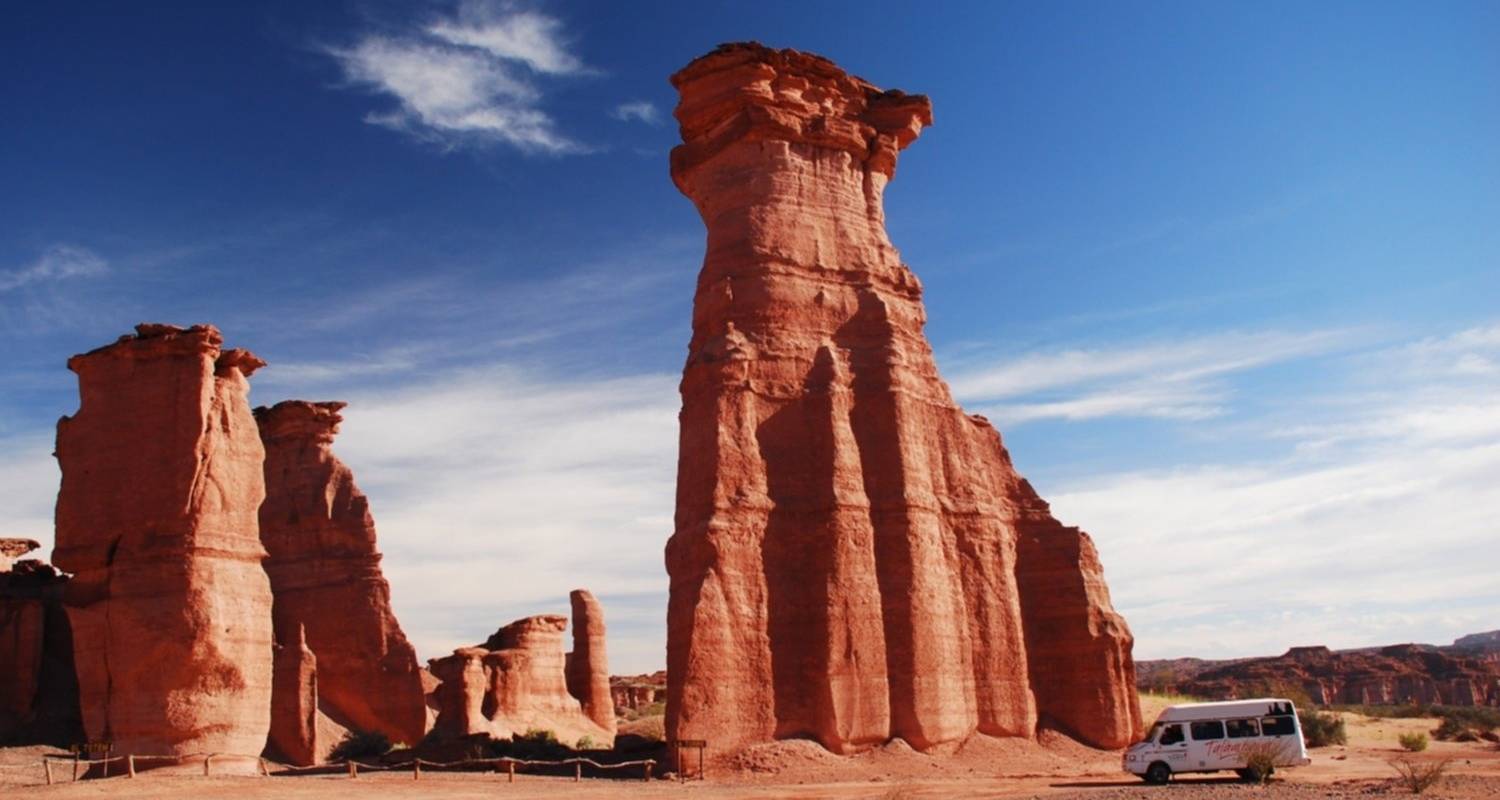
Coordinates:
x,y
157,522
328,588
854,558
518,681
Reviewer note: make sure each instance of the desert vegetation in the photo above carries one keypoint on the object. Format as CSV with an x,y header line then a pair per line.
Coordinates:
x,y
1419,776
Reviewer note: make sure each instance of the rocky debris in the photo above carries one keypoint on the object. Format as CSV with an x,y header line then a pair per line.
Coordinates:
x,y
854,559
514,683
588,664
157,521
1399,674
326,578
632,693
38,691
294,704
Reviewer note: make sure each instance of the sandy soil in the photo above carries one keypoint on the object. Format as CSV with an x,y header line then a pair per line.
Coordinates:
x,y
1055,767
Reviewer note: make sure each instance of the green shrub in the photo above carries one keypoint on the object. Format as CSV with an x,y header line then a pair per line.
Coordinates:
x,y
1418,776
1466,723
584,743
360,744
1323,728
1413,742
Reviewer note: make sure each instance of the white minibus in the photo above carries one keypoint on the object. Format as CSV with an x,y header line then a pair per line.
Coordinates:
x,y
1207,737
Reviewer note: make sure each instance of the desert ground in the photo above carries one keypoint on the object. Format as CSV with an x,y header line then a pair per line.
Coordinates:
x,y
982,767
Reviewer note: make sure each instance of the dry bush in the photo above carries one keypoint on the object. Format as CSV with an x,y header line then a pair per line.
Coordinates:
x,y
1413,742
1323,728
1260,762
1419,776
653,728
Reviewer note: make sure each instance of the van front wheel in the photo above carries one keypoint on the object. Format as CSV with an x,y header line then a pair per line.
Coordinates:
x,y
1158,772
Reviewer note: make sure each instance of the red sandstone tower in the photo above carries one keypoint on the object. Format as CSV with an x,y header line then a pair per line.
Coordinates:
x,y
156,518
854,558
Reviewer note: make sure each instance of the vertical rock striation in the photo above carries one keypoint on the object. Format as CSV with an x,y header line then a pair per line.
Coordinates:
x,y
847,562
157,520
294,703
326,579
588,663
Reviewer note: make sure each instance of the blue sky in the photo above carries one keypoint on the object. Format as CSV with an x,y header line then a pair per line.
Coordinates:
x,y
1225,275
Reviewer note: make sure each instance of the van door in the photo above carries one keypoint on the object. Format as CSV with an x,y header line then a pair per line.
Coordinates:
x,y
1172,747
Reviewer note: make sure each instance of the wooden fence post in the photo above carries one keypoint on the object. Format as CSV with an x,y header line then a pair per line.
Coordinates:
x,y
47,765
577,771
130,766
512,767
75,767
646,770
353,770
206,759
416,769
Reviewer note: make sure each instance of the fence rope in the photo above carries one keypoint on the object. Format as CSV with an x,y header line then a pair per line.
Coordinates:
x,y
283,769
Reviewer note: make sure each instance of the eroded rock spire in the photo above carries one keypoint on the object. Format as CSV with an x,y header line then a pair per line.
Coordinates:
x,y
854,559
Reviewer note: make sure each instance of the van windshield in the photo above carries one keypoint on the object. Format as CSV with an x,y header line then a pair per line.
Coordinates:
x,y
1151,734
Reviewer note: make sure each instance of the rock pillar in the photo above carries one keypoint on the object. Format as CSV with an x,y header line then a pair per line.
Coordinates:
x,y
844,564
157,520
588,665
326,577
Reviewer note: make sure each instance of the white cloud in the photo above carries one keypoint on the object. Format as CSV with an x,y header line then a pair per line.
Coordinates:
x,y
498,490
639,110
1167,380
465,79
58,262
1370,528
28,488
529,37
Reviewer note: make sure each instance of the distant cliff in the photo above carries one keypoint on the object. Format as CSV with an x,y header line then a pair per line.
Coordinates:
x,y
1466,673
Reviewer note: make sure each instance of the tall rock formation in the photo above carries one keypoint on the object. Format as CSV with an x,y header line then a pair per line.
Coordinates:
x,y
854,558
157,521
326,578
588,663
516,681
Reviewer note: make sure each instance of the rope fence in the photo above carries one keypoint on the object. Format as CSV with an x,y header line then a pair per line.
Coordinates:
x,y
265,765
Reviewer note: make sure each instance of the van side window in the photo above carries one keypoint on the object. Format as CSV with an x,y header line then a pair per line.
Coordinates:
x,y
1242,728
1279,726
1172,734
1211,729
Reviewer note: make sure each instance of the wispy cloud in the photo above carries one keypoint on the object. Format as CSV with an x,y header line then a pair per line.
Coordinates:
x,y
468,78
529,37
498,489
638,110
1173,379
1363,530
58,262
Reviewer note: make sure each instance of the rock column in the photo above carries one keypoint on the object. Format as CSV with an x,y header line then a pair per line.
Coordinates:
x,y
326,577
844,564
157,520
588,664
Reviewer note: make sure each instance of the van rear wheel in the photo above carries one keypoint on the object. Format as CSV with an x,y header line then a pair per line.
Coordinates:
x,y
1158,773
